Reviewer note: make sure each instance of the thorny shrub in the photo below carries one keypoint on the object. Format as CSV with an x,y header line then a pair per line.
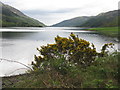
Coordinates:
x,y
73,49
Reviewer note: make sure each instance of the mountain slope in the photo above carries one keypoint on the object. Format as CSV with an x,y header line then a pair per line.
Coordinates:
x,y
108,19
72,22
12,17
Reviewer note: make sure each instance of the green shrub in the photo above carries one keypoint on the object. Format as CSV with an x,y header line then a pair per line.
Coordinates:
x,y
67,52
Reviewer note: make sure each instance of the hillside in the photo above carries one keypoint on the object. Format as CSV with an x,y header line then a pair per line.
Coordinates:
x,y
72,22
108,19
12,17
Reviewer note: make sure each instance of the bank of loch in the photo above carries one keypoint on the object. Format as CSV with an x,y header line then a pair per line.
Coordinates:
x,y
108,31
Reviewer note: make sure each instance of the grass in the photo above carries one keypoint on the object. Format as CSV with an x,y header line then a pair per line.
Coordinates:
x,y
17,21
109,31
103,73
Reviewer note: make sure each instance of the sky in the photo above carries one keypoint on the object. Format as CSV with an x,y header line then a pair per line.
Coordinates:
x,y
53,11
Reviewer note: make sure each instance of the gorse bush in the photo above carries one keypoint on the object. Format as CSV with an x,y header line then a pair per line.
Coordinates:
x,y
71,63
67,52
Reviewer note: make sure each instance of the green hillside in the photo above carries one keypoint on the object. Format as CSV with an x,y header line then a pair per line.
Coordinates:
x,y
72,22
12,17
108,19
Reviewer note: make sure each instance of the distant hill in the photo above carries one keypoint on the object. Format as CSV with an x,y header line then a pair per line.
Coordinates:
x,y
72,22
108,19
12,17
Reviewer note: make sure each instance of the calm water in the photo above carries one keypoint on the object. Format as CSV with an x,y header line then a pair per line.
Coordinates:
x,y
19,44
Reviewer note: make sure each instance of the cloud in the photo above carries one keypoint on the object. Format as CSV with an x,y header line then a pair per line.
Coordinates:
x,y
47,12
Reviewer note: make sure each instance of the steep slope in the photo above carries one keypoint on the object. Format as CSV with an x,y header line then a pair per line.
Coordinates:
x,y
108,19
12,17
72,22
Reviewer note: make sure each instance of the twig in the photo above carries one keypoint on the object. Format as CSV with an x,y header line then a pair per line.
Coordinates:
x,y
15,62
45,84
14,71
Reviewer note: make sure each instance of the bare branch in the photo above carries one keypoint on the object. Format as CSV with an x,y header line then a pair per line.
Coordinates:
x,y
2,59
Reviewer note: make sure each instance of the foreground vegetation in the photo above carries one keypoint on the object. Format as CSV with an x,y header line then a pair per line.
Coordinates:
x,y
108,31
70,63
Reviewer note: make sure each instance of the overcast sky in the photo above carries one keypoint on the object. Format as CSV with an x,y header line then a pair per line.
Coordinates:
x,y
53,11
